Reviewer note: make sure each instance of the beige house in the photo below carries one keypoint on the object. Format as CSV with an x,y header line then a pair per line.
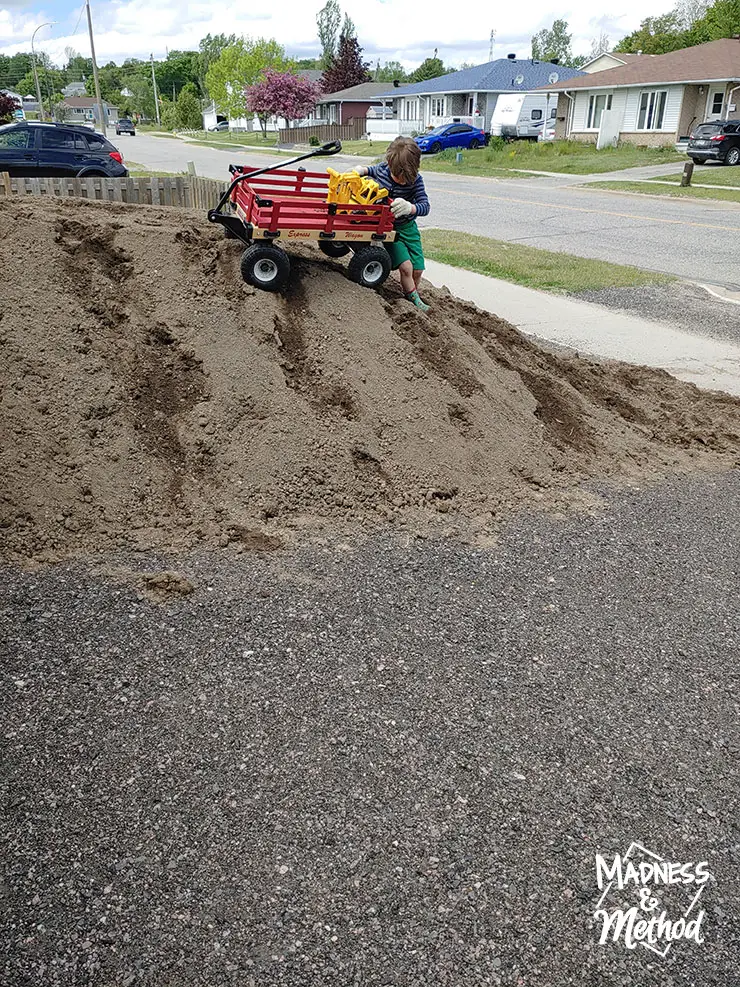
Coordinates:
x,y
652,99
609,60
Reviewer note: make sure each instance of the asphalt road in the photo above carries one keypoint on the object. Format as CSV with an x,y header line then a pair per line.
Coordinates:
x,y
697,240
387,763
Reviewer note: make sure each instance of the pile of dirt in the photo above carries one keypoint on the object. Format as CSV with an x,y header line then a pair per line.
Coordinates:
x,y
151,399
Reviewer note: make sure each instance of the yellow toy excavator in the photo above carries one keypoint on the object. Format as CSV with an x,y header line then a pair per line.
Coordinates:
x,y
350,189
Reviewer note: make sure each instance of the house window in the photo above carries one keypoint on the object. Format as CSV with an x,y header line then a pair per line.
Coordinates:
x,y
470,106
439,106
717,101
596,106
652,110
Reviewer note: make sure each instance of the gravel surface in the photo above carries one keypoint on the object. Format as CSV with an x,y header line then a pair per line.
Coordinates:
x,y
387,763
683,305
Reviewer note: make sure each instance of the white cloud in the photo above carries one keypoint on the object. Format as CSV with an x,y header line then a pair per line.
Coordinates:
x,y
405,30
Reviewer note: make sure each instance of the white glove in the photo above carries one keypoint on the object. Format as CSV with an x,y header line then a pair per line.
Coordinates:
x,y
401,208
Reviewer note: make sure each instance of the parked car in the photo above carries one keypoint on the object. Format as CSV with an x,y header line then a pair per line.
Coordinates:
x,y
125,126
717,140
451,135
40,150
220,126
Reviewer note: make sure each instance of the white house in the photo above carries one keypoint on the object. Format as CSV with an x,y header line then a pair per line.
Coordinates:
x,y
470,95
653,99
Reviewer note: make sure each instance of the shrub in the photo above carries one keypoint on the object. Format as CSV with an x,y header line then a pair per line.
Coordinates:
x,y
314,141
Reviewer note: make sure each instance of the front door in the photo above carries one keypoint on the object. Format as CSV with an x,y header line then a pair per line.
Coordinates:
x,y
715,104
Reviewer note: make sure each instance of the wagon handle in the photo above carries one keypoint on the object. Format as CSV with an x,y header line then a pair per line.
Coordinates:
x,y
333,147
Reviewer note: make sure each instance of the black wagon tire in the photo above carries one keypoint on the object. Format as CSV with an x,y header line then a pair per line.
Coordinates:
x,y
436,147
265,267
333,248
370,266
733,156
474,144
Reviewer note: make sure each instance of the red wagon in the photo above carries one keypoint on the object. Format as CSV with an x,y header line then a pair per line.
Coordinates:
x,y
269,207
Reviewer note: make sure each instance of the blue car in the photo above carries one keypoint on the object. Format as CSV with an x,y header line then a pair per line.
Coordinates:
x,y
451,135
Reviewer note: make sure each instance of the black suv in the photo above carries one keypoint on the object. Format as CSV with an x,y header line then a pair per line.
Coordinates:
x,y
716,141
41,150
125,126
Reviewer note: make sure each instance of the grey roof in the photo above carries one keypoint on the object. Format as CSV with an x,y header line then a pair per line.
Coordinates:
x,y
499,76
365,92
313,75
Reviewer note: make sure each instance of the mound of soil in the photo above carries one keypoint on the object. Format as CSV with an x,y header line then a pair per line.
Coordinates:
x,y
151,399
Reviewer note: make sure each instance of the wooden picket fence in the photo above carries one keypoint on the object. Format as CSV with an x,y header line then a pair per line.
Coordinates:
x,y
188,191
324,132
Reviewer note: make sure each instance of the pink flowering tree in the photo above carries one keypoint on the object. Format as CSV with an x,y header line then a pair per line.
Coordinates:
x,y
281,94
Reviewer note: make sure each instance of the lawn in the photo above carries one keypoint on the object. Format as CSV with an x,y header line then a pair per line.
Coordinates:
x,y
530,266
672,191
564,157
252,138
708,175
136,170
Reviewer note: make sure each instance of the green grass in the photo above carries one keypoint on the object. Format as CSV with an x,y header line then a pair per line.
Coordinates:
x,y
565,157
708,175
136,170
249,139
529,266
671,191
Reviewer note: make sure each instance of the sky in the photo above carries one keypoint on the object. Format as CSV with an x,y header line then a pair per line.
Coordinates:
x,y
404,30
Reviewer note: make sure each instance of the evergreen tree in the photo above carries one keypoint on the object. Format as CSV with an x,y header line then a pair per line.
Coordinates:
x,y
187,108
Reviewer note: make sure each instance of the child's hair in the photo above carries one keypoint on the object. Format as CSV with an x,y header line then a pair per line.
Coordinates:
x,y
403,157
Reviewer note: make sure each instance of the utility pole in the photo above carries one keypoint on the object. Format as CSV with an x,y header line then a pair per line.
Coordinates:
x,y
101,109
35,69
156,95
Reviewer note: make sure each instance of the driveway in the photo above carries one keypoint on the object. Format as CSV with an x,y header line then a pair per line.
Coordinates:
x,y
385,764
697,240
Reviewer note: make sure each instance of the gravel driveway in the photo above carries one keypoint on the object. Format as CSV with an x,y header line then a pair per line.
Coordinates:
x,y
386,763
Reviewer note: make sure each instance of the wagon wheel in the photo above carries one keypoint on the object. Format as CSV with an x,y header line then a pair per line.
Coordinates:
x,y
265,267
370,266
333,248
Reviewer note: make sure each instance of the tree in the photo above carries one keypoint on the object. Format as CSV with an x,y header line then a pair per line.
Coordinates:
x,y
722,20
281,94
328,20
430,68
8,106
656,36
187,108
177,70
240,65
390,72
553,43
348,28
209,51
347,69
599,45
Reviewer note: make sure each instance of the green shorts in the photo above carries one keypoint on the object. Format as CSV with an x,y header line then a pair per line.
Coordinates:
x,y
406,246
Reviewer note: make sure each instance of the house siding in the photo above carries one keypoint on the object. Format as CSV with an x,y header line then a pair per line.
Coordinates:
x,y
627,102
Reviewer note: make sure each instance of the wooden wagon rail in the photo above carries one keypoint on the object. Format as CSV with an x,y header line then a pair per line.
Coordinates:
x,y
187,191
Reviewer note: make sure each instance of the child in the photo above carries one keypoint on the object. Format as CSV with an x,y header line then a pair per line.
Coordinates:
x,y
400,175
